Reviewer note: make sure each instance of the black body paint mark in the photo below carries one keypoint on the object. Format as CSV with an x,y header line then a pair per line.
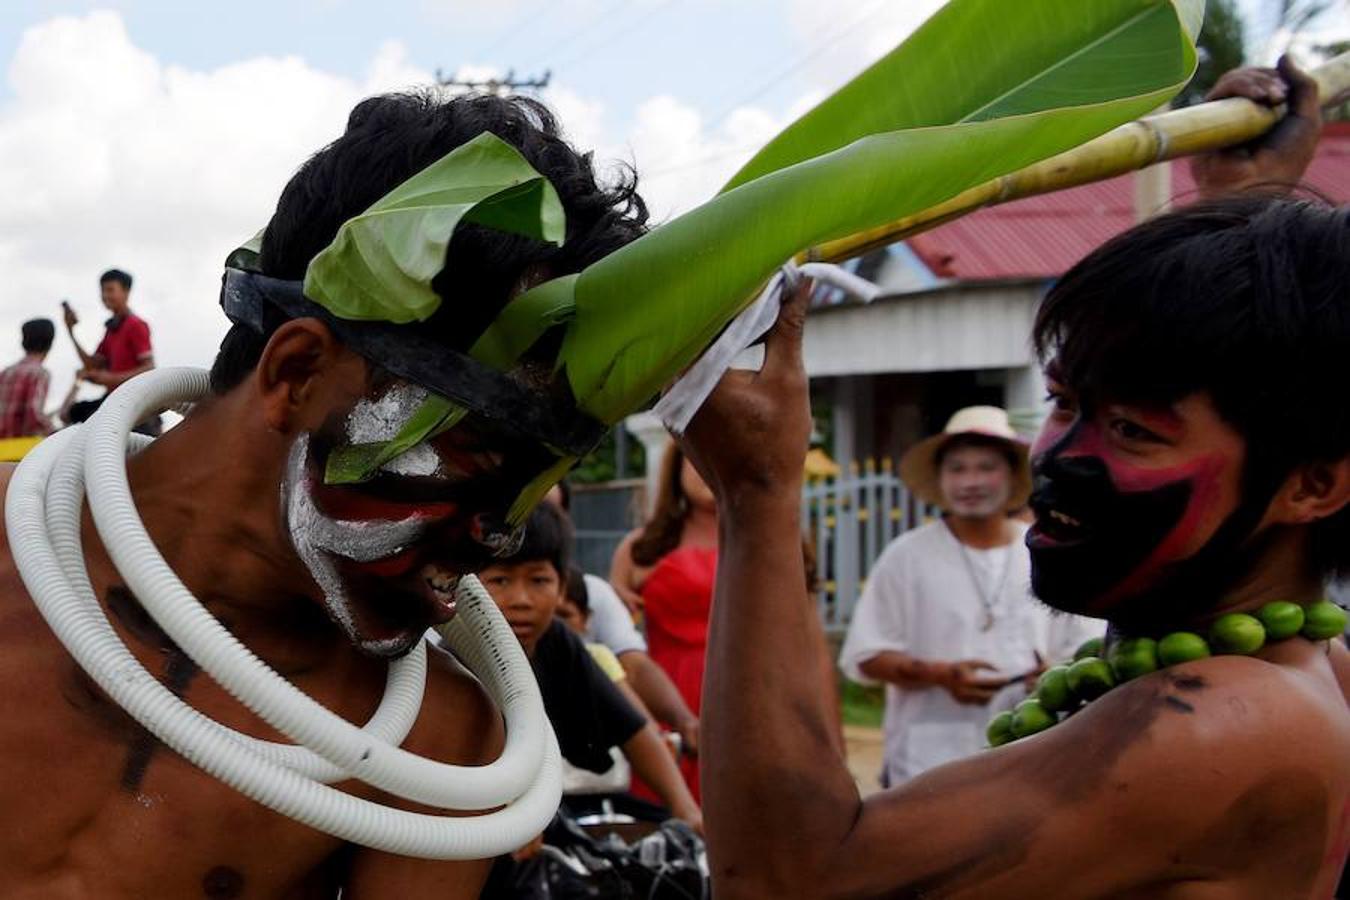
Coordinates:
x,y
128,610
223,883
1178,704
1187,682
138,760
178,675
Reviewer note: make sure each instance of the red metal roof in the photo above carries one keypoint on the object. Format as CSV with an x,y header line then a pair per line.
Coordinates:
x,y
1044,236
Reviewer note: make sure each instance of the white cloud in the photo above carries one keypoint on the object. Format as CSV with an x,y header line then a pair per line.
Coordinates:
x,y
682,160
109,157
844,37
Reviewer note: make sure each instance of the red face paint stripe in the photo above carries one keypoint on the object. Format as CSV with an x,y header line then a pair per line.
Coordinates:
x,y
1203,474
1087,441
353,506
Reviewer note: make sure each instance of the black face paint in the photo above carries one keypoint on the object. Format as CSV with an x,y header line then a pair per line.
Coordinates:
x,y
1117,558
1111,535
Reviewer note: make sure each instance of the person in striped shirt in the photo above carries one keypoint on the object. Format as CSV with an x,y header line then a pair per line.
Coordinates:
x,y
23,386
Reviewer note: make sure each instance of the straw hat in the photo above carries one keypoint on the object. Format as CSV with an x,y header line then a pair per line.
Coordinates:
x,y
919,469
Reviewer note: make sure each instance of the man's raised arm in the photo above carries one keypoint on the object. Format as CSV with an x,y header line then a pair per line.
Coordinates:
x,y
1058,815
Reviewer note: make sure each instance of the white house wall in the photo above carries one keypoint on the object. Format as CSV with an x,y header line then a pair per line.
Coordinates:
x,y
984,325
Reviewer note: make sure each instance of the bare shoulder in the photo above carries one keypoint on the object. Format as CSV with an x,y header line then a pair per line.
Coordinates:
x,y
1225,760
1233,714
624,572
458,722
623,554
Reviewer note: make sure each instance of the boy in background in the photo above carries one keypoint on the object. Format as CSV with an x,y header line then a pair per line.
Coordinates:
x,y
589,713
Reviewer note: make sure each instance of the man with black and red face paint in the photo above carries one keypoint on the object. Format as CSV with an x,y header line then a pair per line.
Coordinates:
x,y
1139,502
326,579
1197,463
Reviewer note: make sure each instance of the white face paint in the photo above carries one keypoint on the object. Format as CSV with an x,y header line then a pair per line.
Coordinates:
x,y
319,538
381,419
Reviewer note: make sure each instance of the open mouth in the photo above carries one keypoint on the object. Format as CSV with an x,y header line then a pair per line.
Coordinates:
x,y
439,589
1056,528
411,603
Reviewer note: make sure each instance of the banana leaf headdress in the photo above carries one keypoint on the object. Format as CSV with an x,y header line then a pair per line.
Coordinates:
x,y
979,90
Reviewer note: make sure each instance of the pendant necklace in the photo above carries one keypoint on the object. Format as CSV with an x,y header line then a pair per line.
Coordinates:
x,y
988,599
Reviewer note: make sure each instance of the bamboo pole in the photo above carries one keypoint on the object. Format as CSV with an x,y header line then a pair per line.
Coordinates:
x,y
1135,145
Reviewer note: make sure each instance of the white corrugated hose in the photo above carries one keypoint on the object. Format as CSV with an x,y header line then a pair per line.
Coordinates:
x,y
42,515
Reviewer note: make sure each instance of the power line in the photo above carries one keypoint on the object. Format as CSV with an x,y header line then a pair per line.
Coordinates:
x,y
620,32
529,17
773,80
762,89
590,25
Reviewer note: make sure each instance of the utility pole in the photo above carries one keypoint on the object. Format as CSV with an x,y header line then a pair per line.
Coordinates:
x,y
505,85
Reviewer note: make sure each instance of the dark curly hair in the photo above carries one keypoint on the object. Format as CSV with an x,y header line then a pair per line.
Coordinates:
x,y
390,138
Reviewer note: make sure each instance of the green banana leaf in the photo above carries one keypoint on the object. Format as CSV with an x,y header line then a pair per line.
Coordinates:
x,y
380,265
976,61
984,88
358,462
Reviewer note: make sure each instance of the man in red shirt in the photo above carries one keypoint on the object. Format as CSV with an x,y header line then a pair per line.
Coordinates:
x,y
23,386
125,350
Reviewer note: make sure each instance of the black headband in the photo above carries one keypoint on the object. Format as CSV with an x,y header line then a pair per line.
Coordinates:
x,y
408,353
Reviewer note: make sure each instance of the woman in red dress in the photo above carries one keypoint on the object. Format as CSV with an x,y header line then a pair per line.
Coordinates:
x,y
666,570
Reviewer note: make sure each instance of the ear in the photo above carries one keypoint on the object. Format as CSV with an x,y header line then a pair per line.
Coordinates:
x,y
297,366
1312,492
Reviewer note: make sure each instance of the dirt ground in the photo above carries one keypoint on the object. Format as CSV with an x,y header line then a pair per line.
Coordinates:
x,y
864,756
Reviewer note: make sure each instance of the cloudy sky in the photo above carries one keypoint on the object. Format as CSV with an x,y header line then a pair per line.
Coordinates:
x,y
155,136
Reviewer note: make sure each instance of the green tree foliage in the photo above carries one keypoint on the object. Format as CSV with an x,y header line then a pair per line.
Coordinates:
x,y
602,465
1222,46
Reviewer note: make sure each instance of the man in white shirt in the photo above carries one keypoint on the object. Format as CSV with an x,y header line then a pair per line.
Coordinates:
x,y
947,621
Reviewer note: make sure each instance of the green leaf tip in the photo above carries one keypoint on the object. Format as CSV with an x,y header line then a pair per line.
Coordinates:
x,y
245,256
381,264
534,492
359,462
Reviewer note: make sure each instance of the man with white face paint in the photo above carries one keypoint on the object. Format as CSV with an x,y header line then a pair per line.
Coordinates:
x,y
322,502
946,621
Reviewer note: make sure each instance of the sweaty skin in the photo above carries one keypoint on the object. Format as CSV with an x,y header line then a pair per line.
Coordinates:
x,y
99,808
1227,778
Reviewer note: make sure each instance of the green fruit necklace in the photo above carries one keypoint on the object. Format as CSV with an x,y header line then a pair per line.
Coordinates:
x,y
1063,689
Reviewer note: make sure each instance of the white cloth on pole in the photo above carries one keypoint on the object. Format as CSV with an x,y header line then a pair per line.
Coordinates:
x,y
679,404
